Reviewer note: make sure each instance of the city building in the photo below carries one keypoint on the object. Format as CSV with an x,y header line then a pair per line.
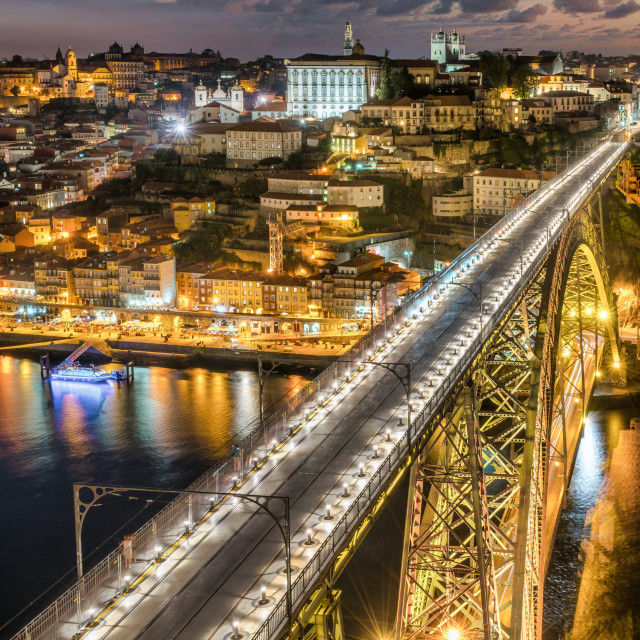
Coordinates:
x,y
496,191
187,284
226,289
345,290
358,193
452,206
199,140
250,142
333,215
325,86
568,101
536,111
233,98
187,213
447,48
17,283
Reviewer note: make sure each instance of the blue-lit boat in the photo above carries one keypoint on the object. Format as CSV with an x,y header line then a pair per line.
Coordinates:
x,y
78,373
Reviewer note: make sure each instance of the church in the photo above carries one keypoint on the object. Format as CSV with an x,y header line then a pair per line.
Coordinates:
x,y
234,98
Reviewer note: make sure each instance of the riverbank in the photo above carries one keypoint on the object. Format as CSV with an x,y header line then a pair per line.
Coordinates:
x,y
155,351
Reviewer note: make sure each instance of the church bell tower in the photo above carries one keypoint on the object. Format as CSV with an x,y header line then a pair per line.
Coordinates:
x,y
348,39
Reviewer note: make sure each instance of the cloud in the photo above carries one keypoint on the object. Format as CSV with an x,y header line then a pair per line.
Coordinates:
x,y
486,6
270,6
577,6
527,15
622,10
399,7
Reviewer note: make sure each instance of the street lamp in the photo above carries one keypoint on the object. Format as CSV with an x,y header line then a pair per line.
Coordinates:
x,y
477,296
263,374
281,518
404,376
519,248
379,286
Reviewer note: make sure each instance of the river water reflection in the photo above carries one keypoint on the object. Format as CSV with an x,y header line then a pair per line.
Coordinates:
x,y
164,430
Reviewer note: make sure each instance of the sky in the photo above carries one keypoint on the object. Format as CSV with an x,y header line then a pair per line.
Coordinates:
x,y
246,29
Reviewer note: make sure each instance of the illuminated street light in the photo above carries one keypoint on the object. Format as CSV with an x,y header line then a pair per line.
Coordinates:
x,y
453,634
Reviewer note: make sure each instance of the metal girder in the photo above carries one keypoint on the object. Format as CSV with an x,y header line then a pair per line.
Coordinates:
x,y
479,487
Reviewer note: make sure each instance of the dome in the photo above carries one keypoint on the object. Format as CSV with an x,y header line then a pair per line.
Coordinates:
x,y
358,49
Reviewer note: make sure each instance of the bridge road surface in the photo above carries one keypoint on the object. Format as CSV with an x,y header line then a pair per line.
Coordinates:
x,y
214,577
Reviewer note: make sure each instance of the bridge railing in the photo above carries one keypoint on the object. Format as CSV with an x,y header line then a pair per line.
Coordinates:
x,y
313,572
105,580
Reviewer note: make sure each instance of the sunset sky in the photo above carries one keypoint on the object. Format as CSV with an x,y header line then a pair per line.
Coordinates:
x,y
249,28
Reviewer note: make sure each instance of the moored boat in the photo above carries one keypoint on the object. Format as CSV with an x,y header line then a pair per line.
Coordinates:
x,y
78,373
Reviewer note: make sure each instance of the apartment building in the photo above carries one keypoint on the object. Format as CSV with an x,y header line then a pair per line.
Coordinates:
x,y
200,140
96,281
357,193
250,142
567,101
536,110
187,213
333,215
226,289
147,283
496,191
443,113
17,283
187,284
452,206
345,290
40,227
54,280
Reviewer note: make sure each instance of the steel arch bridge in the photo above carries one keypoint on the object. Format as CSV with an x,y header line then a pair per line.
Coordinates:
x,y
485,422
489,478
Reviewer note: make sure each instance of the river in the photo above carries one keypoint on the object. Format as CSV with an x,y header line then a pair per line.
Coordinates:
x,y
164,430
167,428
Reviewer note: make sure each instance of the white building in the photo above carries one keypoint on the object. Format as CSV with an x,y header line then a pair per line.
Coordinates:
x,y
233,98
325,86
447,48
496,191
359,193
452,206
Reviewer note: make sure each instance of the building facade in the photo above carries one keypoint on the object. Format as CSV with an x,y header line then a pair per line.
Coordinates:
x,y
447,48
325,86
250,142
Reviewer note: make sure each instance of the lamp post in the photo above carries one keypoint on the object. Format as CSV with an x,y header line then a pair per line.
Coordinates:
x,y
263,374
477,296
520,249
374,290
404,376
282,520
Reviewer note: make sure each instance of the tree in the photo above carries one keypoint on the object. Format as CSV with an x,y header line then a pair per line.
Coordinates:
x,y
525,83
252,188
385,90
170,156
494,70
294,161
15,91
267,162
402,83
16,58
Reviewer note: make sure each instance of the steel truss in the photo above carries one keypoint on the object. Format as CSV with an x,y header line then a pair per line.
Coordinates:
x,y
476,538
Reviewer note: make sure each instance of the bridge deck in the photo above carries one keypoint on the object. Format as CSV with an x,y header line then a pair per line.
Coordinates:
x,y
214,577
